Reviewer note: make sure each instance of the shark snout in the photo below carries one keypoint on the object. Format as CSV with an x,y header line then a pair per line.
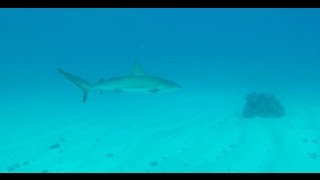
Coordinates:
x,y
177,87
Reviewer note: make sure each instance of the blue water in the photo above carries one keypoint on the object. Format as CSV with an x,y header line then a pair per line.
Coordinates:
x,y
218,56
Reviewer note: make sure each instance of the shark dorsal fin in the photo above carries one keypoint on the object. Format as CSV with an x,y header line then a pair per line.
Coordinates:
x,y
137,69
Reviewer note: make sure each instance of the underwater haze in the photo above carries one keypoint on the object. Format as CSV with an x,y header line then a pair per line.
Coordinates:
x,y
243,90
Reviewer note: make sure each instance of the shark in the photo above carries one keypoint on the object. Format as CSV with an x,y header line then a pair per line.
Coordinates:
x,y
137,82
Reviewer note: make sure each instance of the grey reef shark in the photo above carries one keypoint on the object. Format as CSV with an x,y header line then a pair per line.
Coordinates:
x,y
137,82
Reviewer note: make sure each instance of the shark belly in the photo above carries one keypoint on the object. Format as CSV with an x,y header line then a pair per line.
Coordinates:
x,y
131,85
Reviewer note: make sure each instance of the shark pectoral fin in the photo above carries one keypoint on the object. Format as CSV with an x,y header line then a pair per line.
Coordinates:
x,y
154,90
85,96
117,90
101,80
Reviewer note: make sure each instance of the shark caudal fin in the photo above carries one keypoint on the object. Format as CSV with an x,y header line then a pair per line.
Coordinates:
x,y
82,84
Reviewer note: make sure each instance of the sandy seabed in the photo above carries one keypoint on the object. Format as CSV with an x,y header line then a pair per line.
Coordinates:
x,y
164,133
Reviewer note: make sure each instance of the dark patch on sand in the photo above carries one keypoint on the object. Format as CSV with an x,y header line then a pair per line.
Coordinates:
x,y
10,169
263,105
13,167
62,139
54,146
313,155
186,165
110,155
174,137
154,163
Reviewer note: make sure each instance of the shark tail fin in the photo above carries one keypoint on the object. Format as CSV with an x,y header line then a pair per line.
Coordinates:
x,y
82,84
